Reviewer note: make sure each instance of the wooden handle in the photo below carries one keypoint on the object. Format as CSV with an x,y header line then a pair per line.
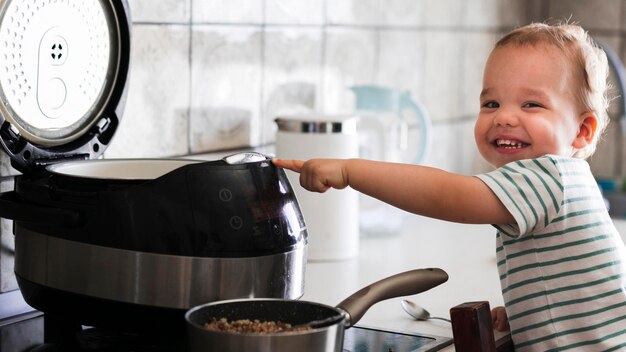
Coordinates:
x,y
472,328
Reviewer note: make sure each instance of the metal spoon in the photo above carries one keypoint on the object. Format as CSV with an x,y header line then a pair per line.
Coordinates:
x,y
417,312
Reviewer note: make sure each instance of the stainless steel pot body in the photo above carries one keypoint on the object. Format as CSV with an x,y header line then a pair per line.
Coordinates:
x,y
144,292
327,323
328,338
158,280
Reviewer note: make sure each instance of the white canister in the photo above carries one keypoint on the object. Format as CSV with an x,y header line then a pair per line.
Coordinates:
x,y
332,217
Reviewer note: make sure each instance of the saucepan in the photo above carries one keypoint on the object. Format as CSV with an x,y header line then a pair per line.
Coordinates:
x,y
324,324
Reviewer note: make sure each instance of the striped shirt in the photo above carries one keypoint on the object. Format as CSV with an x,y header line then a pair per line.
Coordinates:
x,y
562,264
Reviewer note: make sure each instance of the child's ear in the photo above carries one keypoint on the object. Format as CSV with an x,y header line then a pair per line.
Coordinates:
x,y
586,130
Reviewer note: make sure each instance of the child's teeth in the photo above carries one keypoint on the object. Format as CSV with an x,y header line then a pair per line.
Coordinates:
x,y
508,144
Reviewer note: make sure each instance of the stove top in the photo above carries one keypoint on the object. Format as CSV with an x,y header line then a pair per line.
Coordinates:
x,y
357,339
99,340
364,339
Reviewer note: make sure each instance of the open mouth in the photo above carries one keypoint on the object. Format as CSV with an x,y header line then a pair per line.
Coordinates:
x,y
510,144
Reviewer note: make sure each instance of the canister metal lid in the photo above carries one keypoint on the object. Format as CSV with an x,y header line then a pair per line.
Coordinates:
x,y
322,124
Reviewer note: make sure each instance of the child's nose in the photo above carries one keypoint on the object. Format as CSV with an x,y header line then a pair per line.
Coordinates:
x,y
505,117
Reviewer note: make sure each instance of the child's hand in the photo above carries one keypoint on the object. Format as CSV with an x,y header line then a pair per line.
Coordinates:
x,y
499,319
293,165
318,175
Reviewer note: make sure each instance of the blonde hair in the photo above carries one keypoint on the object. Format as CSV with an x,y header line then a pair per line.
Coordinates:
x,y
588,61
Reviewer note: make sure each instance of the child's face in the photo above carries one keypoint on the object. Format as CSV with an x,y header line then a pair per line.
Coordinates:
x,y
527,106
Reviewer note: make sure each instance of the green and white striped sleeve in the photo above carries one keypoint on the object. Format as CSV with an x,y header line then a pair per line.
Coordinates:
x,y
531,190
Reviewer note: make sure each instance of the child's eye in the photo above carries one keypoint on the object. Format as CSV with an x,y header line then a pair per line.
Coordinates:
x,y
491,105
531,105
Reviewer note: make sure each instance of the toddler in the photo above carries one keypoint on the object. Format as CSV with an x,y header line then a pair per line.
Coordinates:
x,y
561,261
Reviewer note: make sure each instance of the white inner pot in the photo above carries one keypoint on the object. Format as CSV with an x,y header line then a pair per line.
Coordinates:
x,y
120,169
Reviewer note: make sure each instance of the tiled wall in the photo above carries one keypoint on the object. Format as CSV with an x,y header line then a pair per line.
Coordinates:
x,y
211,75
606,22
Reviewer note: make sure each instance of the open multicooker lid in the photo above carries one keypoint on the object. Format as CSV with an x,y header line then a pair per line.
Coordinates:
x,y
63,75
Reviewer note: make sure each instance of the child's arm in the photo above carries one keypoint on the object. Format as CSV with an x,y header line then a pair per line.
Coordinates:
x,y
418,189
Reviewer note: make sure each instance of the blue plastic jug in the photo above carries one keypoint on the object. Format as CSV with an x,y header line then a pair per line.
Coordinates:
x,y
391,127
402,123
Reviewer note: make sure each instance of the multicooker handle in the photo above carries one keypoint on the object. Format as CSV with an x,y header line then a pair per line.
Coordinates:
x,y
12,207
404,284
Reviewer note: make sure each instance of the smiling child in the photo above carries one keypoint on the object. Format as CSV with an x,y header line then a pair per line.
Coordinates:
x,y
562,263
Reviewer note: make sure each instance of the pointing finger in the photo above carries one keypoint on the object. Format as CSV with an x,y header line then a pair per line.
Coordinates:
x,y
293,165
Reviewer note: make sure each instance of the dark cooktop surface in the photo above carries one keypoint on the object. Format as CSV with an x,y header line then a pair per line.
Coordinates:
x,y
357,339
99,340
363,339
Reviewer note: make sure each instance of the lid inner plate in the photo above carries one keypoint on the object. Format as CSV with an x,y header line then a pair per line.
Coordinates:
x,y
59,58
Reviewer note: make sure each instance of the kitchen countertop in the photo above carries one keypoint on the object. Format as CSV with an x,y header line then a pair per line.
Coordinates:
x,y
465,252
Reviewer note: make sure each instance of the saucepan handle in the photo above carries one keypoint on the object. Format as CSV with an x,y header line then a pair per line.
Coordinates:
x,y
14,208
404,284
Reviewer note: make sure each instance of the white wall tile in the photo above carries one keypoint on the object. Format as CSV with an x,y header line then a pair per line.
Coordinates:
x,y
443,74
155,119
619,120
613,47
292,74
445,13
353,12
5,165
401,67
603,161
349,59
7,243
589,13
401,62
226,87
227,11
7,247
454,149
441,156
496,13
395,13
461,14
469,161
160,11
620,160
623,15
453,13
294,12
273,56
476,47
